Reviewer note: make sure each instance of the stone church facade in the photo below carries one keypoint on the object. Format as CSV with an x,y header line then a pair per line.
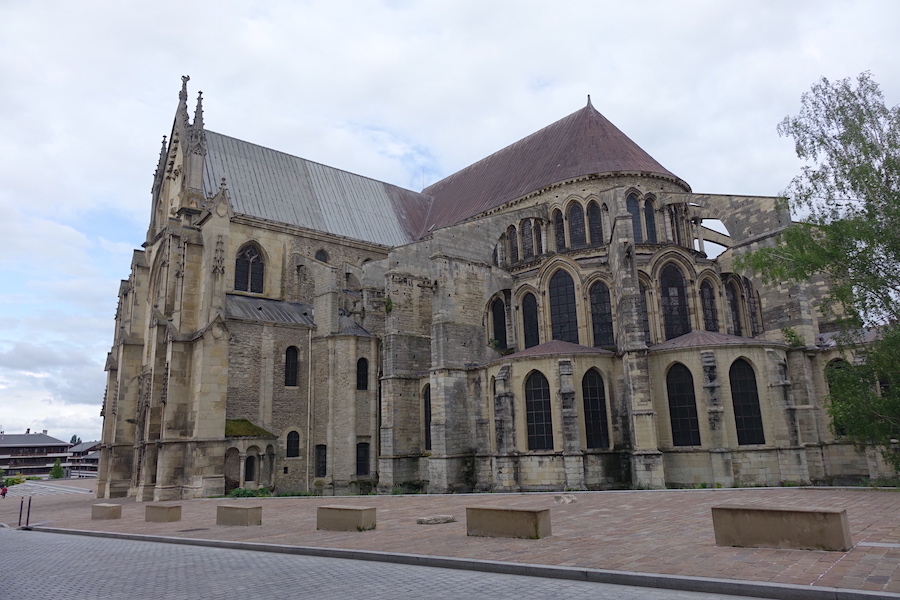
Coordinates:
x,y
544,319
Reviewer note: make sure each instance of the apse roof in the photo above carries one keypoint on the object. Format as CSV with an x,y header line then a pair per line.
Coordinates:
x,y
555,347
708,338
278,187
583,143
263,310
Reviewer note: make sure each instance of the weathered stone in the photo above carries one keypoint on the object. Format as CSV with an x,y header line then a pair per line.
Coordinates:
x,y
436,520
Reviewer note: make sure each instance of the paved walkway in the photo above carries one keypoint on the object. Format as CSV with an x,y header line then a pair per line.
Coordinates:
x,y
54,567
652,532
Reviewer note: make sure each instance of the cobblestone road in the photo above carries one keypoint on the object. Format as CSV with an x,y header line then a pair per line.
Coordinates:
x,y
49,566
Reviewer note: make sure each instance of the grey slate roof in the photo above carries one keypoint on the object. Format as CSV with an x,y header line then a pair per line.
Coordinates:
x,y
22,440
554,348
272,185
696,339
84,446
263,310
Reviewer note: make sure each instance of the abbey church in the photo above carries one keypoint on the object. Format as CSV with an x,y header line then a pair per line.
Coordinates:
x,y
551,317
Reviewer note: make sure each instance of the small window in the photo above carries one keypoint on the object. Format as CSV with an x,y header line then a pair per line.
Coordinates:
x,y
498,318
682,406
530,321
293,444
538,239
291,366
631,203
596,426
563,313
576,226
734,303
362,458
322,256
249,270
645,313
537,412
362,374
601,316
595,224
559,230
710,312
321,460
650,221
426,411
512,239
527,240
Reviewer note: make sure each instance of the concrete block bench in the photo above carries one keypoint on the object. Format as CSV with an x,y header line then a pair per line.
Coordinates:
x,y
490,521
795,528
345,518
106,511
230,514
162,513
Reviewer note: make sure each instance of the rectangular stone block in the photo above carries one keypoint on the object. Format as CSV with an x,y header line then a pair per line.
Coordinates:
x,y
796,528
227,514
162,513
345,518
106,511
489,521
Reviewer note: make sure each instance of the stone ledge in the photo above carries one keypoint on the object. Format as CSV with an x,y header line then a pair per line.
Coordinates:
x,y
489,521
345,518
795,528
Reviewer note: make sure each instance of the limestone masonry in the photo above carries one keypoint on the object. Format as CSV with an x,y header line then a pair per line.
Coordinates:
x,y
547,318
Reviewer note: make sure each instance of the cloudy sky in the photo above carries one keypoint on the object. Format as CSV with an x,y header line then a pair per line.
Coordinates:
x,y
402,91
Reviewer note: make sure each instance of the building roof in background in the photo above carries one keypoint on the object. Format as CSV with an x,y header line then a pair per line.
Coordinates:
x,y
581,144
21,440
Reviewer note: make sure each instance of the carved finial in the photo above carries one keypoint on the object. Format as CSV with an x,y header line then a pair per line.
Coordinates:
x,y
184,81
589,101
198,112
162,152
222,185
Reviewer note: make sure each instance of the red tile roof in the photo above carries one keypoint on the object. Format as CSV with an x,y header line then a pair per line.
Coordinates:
x,y
583,143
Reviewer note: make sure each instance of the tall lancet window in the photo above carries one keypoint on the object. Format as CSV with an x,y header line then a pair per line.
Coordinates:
x,y
576,226
673,296
563,315
634,210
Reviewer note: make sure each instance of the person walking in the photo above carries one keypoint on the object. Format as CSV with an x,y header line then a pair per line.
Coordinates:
x,y
3,491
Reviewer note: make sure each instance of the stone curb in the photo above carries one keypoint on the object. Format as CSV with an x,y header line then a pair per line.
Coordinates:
x,y
732,587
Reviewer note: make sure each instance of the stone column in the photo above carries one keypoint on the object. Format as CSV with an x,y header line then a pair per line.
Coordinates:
x,y
720,455
573,457
506,459
243,456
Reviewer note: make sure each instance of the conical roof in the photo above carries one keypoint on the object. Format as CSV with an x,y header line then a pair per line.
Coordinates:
x,y
583,143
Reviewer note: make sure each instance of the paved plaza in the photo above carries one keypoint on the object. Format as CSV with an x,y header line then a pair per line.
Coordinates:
x,y
664,533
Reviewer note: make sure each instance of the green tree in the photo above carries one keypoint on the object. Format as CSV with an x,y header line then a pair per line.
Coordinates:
x,y
57,471
75,440
848,200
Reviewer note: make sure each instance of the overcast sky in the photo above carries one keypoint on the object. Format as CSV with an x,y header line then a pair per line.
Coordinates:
x,y
402,91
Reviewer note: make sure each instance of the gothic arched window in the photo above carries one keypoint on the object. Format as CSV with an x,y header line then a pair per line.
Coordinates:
x,y
513,240
559,230
291,366
595,224
645,313
673,297
249,269
498,316
563,316
596,427
752,308
537,412
745,400
527,240
734,303
710,312
322,256
426,413
634,210
530,321
293,444
362,374
682,406
601,315
650,221
576,226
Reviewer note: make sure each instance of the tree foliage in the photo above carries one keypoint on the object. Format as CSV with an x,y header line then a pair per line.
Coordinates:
x,y
848,199
75,440
57,471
